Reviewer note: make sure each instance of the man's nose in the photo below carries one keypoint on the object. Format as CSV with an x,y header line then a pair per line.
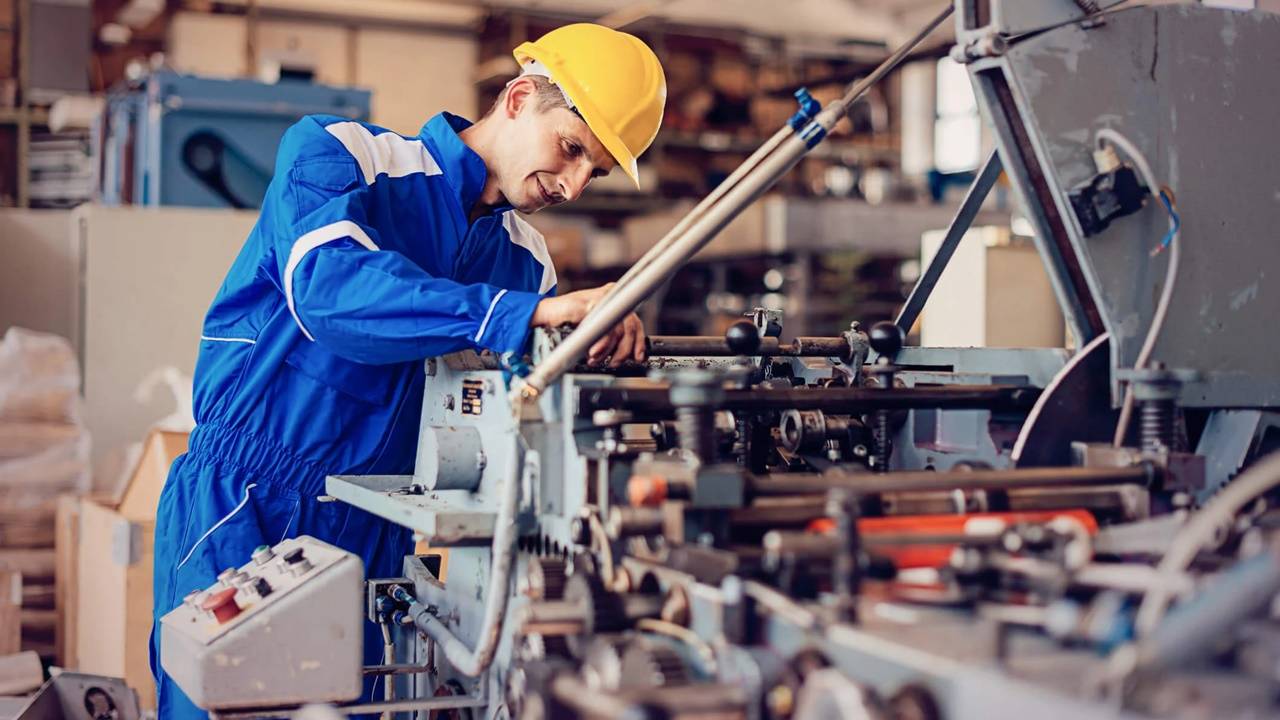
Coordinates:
x,y
574,182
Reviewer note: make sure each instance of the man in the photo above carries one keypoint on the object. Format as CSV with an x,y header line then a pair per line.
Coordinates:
x,y
372,252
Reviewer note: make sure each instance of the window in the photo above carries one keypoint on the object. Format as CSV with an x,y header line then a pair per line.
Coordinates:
x,y
957,130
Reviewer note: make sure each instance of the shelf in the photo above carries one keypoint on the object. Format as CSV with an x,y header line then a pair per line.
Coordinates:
x,y
15,116
628,203
724,142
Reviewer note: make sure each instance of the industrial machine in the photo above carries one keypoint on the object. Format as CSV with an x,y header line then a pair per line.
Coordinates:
x,y
752,526
172,139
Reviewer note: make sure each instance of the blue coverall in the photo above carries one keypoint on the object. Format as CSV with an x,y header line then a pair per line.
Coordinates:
x,y
364,261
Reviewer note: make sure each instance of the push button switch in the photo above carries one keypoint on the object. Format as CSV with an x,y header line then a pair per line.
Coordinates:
x,y
222,604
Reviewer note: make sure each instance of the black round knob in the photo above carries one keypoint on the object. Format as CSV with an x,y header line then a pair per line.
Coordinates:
x,y
886,338
742,338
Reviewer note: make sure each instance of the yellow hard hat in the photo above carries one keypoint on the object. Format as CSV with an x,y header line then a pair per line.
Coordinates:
x,y
613,80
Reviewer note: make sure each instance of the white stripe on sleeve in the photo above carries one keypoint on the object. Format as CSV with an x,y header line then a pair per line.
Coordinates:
x,y
311,241
528,237
485,323
385,153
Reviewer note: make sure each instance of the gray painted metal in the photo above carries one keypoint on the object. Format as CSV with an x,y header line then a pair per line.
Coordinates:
x,y
1167,77
450,458
443,516
1227,441
1038,365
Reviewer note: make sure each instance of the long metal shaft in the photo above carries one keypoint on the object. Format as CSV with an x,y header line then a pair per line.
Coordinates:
x,y
715,346
916,481
657,400
698,210
679,249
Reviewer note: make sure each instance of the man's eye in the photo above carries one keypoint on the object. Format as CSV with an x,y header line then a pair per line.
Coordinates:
x,y
572,150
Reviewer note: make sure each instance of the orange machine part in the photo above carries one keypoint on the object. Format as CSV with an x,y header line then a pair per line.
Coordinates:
x,y
914,556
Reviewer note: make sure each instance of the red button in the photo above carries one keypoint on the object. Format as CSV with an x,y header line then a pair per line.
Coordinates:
x,y
222,604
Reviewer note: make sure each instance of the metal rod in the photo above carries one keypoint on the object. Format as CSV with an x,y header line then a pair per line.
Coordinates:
x,y
625,297
698,210
656,400
456,702
396,669
960,224
916,481
716,346
453,702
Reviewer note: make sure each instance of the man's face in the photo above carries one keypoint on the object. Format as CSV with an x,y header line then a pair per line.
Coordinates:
x,y
548,156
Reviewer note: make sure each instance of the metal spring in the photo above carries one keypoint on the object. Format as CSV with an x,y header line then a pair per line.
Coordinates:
x,y
1157,425
1090,7
883,448
695,428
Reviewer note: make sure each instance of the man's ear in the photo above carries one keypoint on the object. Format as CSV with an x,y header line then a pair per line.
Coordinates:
x,y
520,94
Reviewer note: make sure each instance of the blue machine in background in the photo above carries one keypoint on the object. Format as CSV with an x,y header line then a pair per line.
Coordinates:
x,y
173,139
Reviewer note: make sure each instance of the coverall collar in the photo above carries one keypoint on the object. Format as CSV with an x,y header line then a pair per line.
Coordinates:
x,y
462,167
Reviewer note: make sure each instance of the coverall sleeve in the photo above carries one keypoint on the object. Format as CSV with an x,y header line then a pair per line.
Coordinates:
x,y
373,305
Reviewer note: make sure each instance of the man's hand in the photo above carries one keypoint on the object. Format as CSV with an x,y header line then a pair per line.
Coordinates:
x,y
626,341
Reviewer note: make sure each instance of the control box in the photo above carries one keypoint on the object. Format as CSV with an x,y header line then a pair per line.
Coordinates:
x,y
285,628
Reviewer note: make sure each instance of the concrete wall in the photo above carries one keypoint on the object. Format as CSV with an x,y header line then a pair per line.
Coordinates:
x,y
130,287
38,271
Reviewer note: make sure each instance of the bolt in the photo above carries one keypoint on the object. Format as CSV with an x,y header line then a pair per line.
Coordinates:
x,y
781,701
448,402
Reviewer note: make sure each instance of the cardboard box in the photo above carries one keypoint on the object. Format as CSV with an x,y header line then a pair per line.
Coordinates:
x,y
113,572
66,534
994,293
10,612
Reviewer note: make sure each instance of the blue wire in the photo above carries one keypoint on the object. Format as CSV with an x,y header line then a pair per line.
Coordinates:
x,y
1173,215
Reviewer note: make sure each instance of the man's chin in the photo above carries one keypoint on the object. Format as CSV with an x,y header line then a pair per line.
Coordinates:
x,y
531,207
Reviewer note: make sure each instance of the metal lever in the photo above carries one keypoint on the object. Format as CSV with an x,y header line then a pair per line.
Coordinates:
x,y
677,248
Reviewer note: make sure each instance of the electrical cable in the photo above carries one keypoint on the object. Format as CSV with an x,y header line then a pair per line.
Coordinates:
x,y
705,653
388,658
1113,7
1261,477
1170,240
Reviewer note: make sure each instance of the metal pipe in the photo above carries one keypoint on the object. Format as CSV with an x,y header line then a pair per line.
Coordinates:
x,y
698,210
626,296
1189,631
465,660
655,400
717,346
1115,500
450,702
916,481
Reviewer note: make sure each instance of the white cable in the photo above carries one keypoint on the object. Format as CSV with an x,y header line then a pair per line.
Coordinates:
x,y
1262,477
1170,277
225,518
